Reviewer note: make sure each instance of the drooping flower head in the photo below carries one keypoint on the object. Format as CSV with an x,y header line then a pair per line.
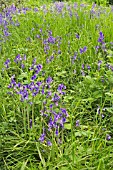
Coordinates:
x,y
108,137
101,38
83,50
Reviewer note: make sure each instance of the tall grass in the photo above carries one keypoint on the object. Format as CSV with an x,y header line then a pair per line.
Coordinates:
x,y
56,87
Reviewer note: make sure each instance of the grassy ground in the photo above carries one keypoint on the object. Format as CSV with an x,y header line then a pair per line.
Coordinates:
x,y
56,87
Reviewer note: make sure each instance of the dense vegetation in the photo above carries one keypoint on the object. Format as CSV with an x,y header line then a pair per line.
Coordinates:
x,y
56,86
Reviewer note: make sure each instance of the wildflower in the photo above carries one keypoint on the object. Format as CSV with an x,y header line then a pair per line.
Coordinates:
x,y
57,117
35,92
24,94
64,112
88,67
40,30
108,137
37,36
50,33
103,116
30,123
59,51
51,124
74,57
7,63
83,66
45,42
13,82
24,57
43,92
39,83
17,24
17,58
77,36
111,67
6,33
51,40
49,143
52,57
56,132
19,85
42,137
46,48
102,79
34,61
101,38
28,39
44,102
108,66
30,103
51,106
75,5
47,60
49,93
99,63
111,43
33,77
43,112
49,80
32,29
104,47
36,9
22,66
62,121
59,6
55,98
83,50
60,88
31,86
77,123
97,48
82,72
38,68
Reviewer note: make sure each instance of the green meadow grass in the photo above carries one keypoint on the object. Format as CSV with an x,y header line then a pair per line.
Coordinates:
x,y
89,87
